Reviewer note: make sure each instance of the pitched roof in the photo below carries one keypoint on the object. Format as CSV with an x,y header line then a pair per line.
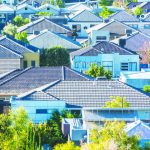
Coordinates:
x,y
133,4
30,1
6,53
102,47
32,78
96,93
84,16
136,41
46,6
17,46
47,24
75,44
103,25
145,5
138,128
4,8
22,6
78,6
124,16
147,18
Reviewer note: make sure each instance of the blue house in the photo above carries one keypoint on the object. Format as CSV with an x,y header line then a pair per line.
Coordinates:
x,y
107,54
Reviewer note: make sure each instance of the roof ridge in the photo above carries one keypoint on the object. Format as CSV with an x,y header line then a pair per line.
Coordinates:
x,y
15,75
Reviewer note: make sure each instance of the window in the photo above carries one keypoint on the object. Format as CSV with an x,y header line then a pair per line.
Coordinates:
x,y
132,66
25,64
26,8
124,66
76,27
83,64
108,65
48,8
41,111
33,63
85,27
147,26
100,38
77,65
135,26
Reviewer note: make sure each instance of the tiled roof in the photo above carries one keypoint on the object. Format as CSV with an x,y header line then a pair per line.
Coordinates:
x,y
35,77
124,16
30,1
45,24
6,8
102,47
147,18
133,4
145,5
48,5
138,128
16,46
78,6
22,6
6,53
136,41
84,16
96,93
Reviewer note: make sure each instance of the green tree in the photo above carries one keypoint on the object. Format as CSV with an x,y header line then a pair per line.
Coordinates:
x,y
96,71
44,14
19,21
112,136
22,36
67,146
138,11
117,102
52,2
105,2
60,3
55,56
146,88
105,13
10,29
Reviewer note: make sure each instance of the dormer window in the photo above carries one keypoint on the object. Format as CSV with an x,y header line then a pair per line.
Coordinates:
x,y
26,8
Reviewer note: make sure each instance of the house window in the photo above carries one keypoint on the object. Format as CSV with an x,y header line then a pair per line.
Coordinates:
x,y
108,65
83,64
26,8
33,63
25,64
147,26
85,27
77,65
76,27
124,66
41,111
48,8
100,38
132,66
135,26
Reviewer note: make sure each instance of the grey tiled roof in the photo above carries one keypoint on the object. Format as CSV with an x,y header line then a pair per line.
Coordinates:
x,y
84,16
137,41
103,47
16,46
124,16
6,53
35,77
133,4
96,93
147,18
42,24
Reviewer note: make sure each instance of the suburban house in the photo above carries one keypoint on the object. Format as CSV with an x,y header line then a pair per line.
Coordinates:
x,y
108,31
132,5
136,79
140,129
49,8
16,55
105,53
87,97
82,20
125,17
35,3
48,39
41,24
25,10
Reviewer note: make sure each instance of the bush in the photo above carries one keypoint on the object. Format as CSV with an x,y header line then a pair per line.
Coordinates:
x,y
146,88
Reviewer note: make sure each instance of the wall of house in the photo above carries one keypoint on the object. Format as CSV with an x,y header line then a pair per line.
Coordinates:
x,y
7,65
83,32
32,57
32,107
82,63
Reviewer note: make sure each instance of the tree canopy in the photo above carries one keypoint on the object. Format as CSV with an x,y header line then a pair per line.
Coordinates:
x,y
10,29
138,11
117,102
96,71
112,136
105,2
22,36
55,56
19,21
105,13
146,88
